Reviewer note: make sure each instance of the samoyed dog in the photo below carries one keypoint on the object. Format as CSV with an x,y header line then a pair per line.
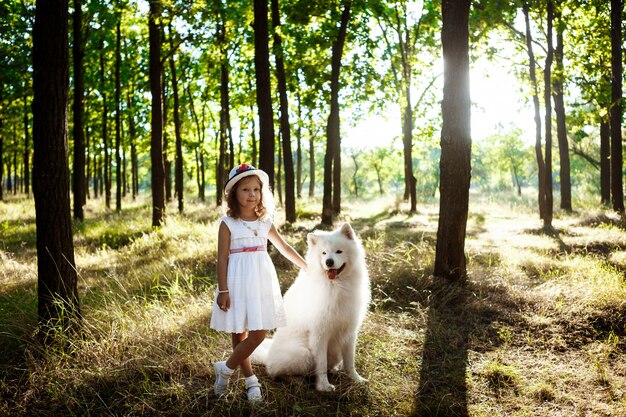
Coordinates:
x,y
325,307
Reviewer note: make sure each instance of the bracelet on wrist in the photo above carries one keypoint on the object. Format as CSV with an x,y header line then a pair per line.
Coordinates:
x,y
222,291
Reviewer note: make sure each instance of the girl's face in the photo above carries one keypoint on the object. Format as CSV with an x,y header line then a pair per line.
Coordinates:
x,y
249,193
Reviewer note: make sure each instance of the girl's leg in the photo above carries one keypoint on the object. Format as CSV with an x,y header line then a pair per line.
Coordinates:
x,y
246,366
243,346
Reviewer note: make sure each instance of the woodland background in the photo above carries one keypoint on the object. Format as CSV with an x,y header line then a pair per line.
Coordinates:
x,y
501,286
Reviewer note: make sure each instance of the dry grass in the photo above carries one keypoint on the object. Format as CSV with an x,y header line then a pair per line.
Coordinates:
x,y
539,329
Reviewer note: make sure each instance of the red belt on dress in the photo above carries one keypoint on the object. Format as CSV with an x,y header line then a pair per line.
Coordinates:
x,y
249,249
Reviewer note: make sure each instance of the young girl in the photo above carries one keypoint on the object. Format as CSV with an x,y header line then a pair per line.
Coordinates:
x,y
248,302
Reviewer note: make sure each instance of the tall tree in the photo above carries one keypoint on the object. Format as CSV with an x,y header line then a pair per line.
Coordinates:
x,y
605,162
26,154
263,89
331,202
410,36
178,169
559,109
156,136
617,191
106,167
118,113
285,130
1,147
224,151
537,117
58,303
456,143
547,77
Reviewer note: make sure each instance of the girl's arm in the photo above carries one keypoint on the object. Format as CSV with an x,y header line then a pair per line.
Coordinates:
x,y
285,248
223,251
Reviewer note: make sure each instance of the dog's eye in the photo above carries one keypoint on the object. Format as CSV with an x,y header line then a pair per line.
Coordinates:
x,y
324,253
339,251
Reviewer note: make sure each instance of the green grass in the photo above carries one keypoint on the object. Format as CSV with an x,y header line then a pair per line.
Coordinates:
x,y
539,328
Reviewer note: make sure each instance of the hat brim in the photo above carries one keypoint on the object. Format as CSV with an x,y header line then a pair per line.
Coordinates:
x,y
259,173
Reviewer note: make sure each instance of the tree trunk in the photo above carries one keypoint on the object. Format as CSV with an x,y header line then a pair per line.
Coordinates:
x,y
541,201
331,202
156,136
299,149
561,128
178,169
355,175
224,157
167,164
605,163
456,143
285,130
547,79
88,167
118,116
617,191
132,132
105,134
26,154
58,304
312,165
1,150
263,89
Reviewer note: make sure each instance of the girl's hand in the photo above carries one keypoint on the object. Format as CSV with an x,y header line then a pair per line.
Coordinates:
x,y
223,301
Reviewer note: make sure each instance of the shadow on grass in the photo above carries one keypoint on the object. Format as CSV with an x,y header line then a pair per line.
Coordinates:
x,y
442,385
461,316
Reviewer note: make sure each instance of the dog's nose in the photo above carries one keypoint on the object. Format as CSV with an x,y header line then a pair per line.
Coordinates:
x,y
329,262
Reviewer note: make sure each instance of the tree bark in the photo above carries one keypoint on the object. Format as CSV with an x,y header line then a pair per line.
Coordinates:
x,y
224,157
617,191
561,127
299,149
58,302
105,134
167,164
1,149
331,202
178,169
605,163
547,79
263,89
311,164
118,116
285,129
156,135
541,201
455,165
26,154
132,132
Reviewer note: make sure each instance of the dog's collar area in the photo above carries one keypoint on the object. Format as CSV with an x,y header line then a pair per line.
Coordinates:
x,y
332,273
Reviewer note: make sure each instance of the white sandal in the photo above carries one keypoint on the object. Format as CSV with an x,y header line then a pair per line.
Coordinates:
x,y
221,372
253,389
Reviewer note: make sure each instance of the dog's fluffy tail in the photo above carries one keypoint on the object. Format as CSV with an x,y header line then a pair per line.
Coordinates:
x,y
260,353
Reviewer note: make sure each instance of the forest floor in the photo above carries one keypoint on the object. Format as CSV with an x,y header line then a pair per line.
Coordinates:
x,y
538,329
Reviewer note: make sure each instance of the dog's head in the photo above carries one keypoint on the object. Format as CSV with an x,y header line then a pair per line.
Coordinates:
x,y
333,250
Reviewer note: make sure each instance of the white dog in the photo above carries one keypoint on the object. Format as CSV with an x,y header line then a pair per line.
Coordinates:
x,y
325,307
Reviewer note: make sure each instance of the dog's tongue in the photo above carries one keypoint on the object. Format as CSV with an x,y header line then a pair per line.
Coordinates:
x,y
332,273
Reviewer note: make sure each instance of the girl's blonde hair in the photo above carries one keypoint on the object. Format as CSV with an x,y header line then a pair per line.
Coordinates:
x,y
265,208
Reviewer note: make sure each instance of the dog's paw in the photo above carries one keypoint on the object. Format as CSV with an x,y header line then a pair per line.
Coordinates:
x,y
359,379
325,387
356,377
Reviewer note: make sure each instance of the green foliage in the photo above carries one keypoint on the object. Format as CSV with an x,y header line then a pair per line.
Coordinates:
x,y
501,161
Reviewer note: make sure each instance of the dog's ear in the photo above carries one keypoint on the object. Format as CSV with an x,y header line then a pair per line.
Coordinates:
x,y
312,239
347,231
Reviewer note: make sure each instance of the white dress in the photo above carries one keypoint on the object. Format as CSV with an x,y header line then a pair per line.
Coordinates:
x,y
256,302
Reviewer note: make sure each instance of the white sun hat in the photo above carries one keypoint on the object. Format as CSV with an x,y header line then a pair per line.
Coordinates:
x,y
242,171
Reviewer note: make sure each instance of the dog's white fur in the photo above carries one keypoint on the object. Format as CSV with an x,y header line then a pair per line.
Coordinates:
x,y
324,311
